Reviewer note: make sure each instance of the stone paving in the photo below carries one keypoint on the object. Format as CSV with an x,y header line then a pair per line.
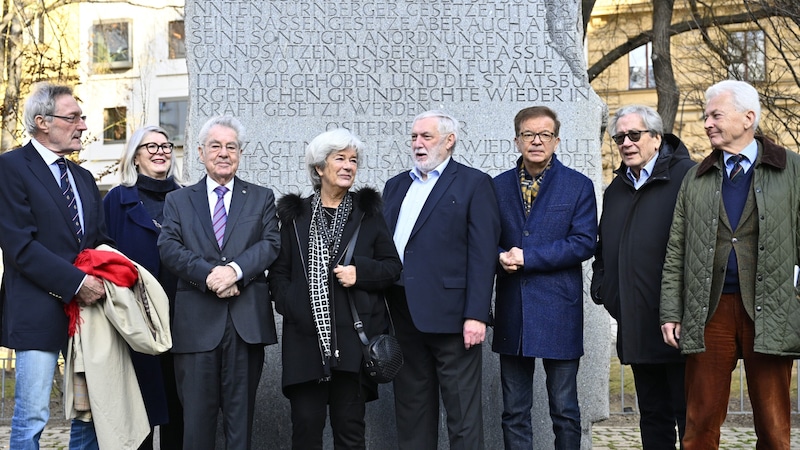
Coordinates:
x,y
603,438
627,438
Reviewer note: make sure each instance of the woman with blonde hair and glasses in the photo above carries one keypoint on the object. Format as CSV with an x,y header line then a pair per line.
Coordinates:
x,y
134,211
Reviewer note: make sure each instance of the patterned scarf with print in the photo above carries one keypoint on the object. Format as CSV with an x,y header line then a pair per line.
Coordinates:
x,y
325,236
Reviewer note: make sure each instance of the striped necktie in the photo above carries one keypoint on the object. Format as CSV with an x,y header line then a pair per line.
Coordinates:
x,y
220,217
737,165
66,191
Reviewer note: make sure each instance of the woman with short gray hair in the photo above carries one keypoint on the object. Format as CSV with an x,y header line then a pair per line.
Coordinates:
x,y
312,284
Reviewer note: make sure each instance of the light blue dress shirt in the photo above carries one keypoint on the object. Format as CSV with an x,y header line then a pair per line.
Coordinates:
x,y
412,204
644,174
750,154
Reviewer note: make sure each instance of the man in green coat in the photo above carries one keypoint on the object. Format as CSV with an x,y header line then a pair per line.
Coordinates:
x,y
728,288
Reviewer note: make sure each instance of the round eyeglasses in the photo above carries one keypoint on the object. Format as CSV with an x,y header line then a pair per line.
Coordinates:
x,y
153,148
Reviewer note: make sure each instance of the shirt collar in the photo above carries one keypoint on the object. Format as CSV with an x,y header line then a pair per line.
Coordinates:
x,y
416,175
750,151
47,155
645,172
211,185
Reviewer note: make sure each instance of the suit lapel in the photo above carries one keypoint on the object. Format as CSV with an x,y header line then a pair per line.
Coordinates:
x,y
393,204
136,213
42,173
238,200
199,199
442,184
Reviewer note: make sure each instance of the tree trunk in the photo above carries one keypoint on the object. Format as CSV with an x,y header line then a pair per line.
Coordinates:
x,y
666,87
586,7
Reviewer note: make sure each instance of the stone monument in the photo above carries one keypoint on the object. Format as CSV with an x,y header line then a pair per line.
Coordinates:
x,y
291,69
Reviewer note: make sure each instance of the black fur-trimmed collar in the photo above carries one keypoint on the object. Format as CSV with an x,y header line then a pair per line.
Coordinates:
x,y
293,206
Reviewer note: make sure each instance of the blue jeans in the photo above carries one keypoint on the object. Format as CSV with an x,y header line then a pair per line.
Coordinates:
x,y
34,382
516,373
82,436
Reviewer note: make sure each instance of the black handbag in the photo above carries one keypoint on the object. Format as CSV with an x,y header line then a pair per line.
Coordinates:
x,y
383,356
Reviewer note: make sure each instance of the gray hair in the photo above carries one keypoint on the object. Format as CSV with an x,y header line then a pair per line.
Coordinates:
x,y
128,171
650,117
323,145
447,123
745,97
224,121
42,102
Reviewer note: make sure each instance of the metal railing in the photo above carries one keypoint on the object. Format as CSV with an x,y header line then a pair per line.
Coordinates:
x,y
625,402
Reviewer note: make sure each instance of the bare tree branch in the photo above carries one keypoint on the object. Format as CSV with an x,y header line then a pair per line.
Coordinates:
x,y
689,25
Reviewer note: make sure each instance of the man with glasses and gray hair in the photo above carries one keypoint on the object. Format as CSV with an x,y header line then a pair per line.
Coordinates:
x,y
51,211
219,236
632,242
548,217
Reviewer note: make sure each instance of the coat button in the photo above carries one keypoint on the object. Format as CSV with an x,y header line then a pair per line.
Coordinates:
x,y
734,240
525,233
758,308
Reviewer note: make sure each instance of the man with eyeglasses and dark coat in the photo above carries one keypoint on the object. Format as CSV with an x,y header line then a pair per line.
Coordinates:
x,y
548,218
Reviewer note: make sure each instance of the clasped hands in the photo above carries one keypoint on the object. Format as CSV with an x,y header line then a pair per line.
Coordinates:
x,y
513,260
222,281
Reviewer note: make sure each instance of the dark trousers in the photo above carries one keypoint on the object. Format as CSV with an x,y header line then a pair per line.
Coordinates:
x,y
171,433
226,377
516,376
729,335
434,363
311,401
662,404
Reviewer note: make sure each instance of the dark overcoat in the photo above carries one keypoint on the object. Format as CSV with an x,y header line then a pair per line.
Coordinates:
x,y
377,267
634,230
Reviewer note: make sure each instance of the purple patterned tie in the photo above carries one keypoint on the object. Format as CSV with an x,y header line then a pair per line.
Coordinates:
x,y
66,191
219,218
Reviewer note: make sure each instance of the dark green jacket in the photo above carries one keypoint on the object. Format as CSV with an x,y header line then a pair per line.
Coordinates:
x,y
687,277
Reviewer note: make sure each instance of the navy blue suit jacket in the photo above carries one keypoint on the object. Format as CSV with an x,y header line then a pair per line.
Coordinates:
x,y
449,261
189,249
39,247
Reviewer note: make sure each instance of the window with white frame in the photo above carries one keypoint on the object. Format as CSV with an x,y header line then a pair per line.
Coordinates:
x,y
172,118
748,58
115,124
177,40
640,68
111,44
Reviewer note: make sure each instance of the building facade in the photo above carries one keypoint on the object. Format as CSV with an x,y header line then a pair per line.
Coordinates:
x,y
724,41
132,74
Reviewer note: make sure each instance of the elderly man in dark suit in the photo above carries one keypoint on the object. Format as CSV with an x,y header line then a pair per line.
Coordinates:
x,y
446,227
219,236
51,210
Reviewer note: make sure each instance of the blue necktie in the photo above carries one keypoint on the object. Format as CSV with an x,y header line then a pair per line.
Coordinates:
x,y
66,191
219,218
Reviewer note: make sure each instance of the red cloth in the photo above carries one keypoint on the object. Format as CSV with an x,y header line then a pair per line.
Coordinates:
x,y
110,266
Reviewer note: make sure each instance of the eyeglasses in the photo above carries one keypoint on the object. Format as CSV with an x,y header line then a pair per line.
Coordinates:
x,y
231,148
633,135
544,136
70,119
153,148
